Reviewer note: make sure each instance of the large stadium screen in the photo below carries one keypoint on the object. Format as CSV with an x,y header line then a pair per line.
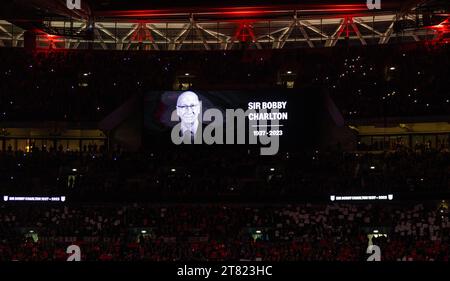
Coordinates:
x,y
268,119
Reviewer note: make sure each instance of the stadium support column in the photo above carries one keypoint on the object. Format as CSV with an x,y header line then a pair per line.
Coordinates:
x,y
108,141
345,27
90,33
30,40
245,35
3,134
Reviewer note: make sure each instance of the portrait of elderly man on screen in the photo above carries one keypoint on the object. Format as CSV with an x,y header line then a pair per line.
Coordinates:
x,y
188,109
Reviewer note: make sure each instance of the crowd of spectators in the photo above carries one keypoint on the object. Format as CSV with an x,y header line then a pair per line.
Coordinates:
x,y
83,85
407,231
221,173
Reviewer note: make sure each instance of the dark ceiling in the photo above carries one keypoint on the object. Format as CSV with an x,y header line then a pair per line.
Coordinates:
x,y
111,5
39,10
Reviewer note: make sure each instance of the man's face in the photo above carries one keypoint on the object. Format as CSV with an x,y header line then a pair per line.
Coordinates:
x,y
188,107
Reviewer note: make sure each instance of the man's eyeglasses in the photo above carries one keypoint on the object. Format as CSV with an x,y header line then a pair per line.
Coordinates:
x,y
187,107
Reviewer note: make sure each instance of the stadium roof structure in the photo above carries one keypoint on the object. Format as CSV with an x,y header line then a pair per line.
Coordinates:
x,y
220,25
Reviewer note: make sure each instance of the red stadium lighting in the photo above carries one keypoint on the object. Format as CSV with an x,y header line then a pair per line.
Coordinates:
x,y
240,11
244,32
442,30
442,26
52,38
51,41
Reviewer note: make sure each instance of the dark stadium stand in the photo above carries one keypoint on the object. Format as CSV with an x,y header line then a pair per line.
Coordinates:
x,y
87,85
180,175
306,232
